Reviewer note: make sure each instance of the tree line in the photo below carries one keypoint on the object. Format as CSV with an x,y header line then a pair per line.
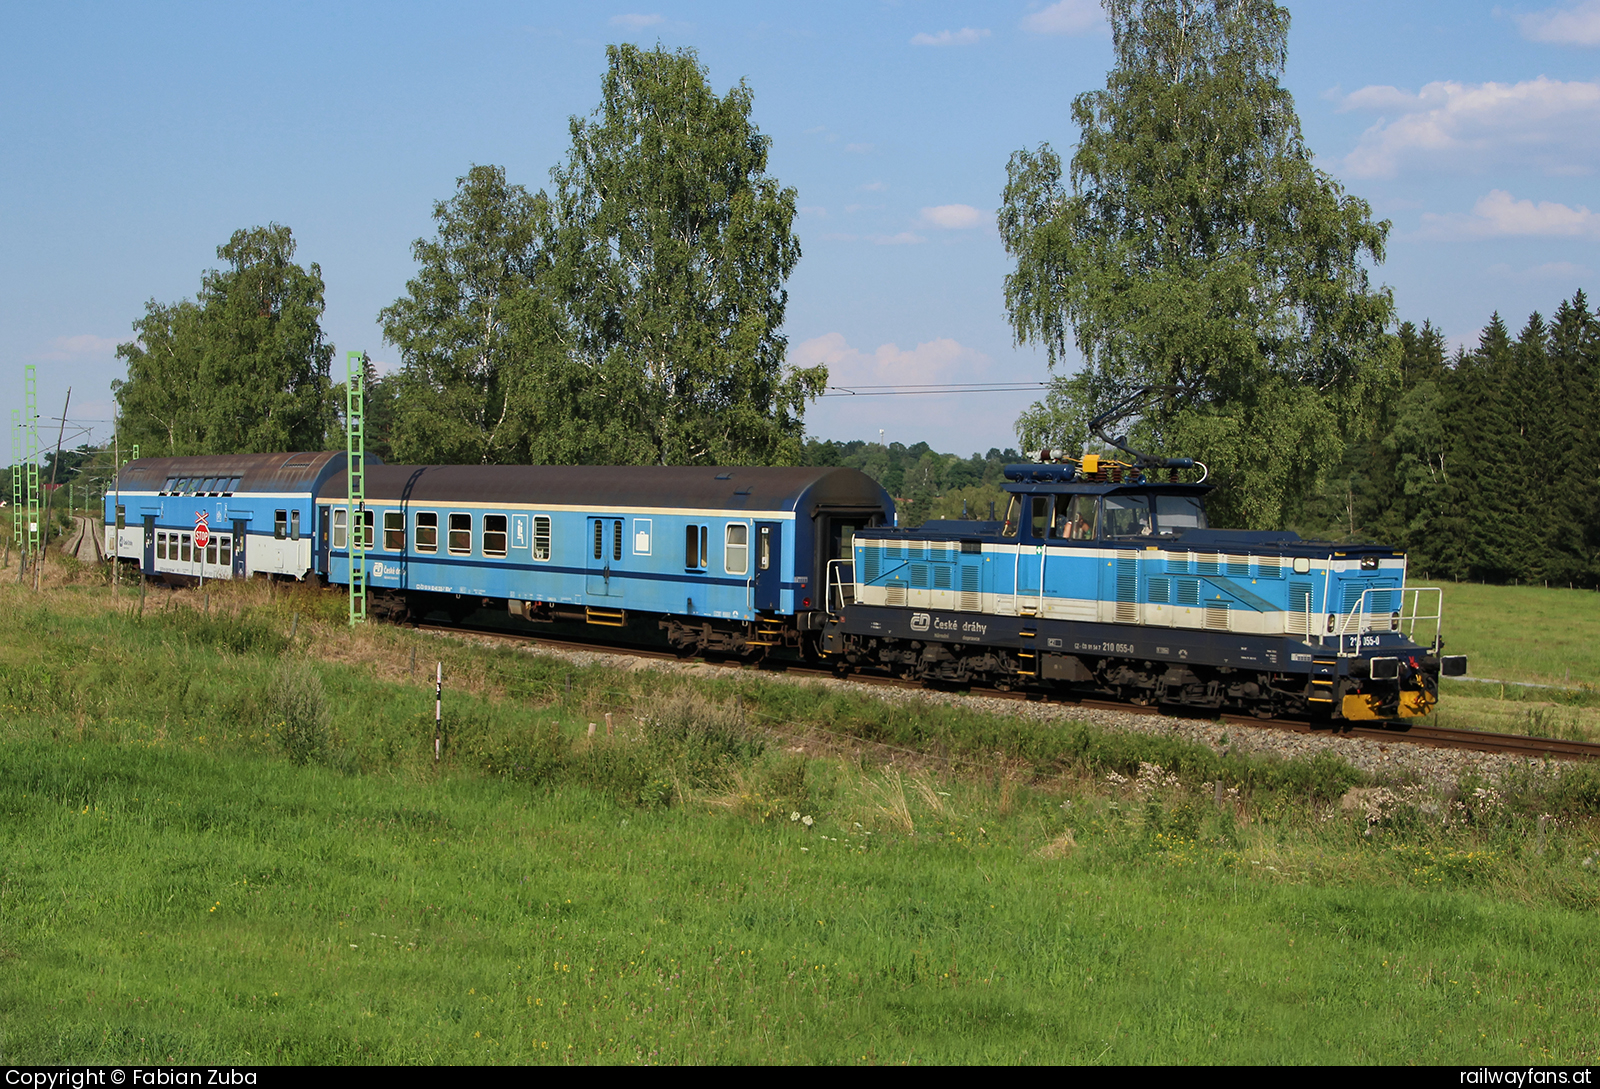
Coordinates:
x,y
1482,465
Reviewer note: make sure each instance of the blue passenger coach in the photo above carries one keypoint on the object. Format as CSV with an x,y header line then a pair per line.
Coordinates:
x,y
724,559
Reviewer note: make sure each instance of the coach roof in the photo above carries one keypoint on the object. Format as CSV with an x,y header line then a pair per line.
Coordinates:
x,y
270,473
803,489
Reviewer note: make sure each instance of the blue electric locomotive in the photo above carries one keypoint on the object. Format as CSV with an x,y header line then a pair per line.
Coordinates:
x,y
1105,577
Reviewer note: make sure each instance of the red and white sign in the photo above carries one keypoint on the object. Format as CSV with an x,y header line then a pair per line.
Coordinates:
x,y
202,532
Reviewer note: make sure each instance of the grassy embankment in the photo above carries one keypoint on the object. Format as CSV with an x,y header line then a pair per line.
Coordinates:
x,y
224,844
1524,636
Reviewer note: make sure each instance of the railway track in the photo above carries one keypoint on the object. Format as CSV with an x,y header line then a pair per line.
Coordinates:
x,y
1403,733
84,544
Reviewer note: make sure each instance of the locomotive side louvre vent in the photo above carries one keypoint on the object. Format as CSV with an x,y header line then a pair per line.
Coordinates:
x,y
872,562
919,575
894,550
970,601
1160,590
1299,606
943,577
916,550
1216,616
1178,563
1269,567
896,594
1210,564
1381,601
1352,596
1188,591
1239,567
939,552
1127,588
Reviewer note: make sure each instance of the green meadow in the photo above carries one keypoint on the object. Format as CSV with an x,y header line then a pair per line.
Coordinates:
x,y
225,840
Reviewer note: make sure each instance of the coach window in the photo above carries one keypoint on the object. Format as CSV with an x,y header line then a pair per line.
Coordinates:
x,y
394,530
427,531
616,539
211,552
161,546
226,542
494,535
230,486
541,537
694,547
294,525
736,549
764,558
461,534
341,526
122,516
183,548
364,521
280,525
172,482
210,483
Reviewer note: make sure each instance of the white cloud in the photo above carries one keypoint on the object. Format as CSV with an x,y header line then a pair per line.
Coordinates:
x,y
953,217
859,149
635,22
1499,215
78,347
952,422
965,36
904,238
1546,122
874,187
1065,17
1577,25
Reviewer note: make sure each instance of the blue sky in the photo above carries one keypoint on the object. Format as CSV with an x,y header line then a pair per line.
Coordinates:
x,y
138,137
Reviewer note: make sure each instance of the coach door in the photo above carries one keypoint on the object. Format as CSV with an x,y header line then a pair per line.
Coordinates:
x,y
240,528
150,544
769,564
604,557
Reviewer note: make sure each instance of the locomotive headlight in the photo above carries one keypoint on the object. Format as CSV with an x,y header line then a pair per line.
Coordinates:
x,y
1331,618
1394,621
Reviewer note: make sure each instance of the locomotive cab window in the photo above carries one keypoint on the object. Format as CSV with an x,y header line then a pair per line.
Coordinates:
x,y
494,535
1013,520
427,531
1176,513
1039,517
394,530
461,534
1127,516
736,549
1079,518
694,547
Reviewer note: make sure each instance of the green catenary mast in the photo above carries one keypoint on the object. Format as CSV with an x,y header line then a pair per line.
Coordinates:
x,y
31,456
356,493
16,479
